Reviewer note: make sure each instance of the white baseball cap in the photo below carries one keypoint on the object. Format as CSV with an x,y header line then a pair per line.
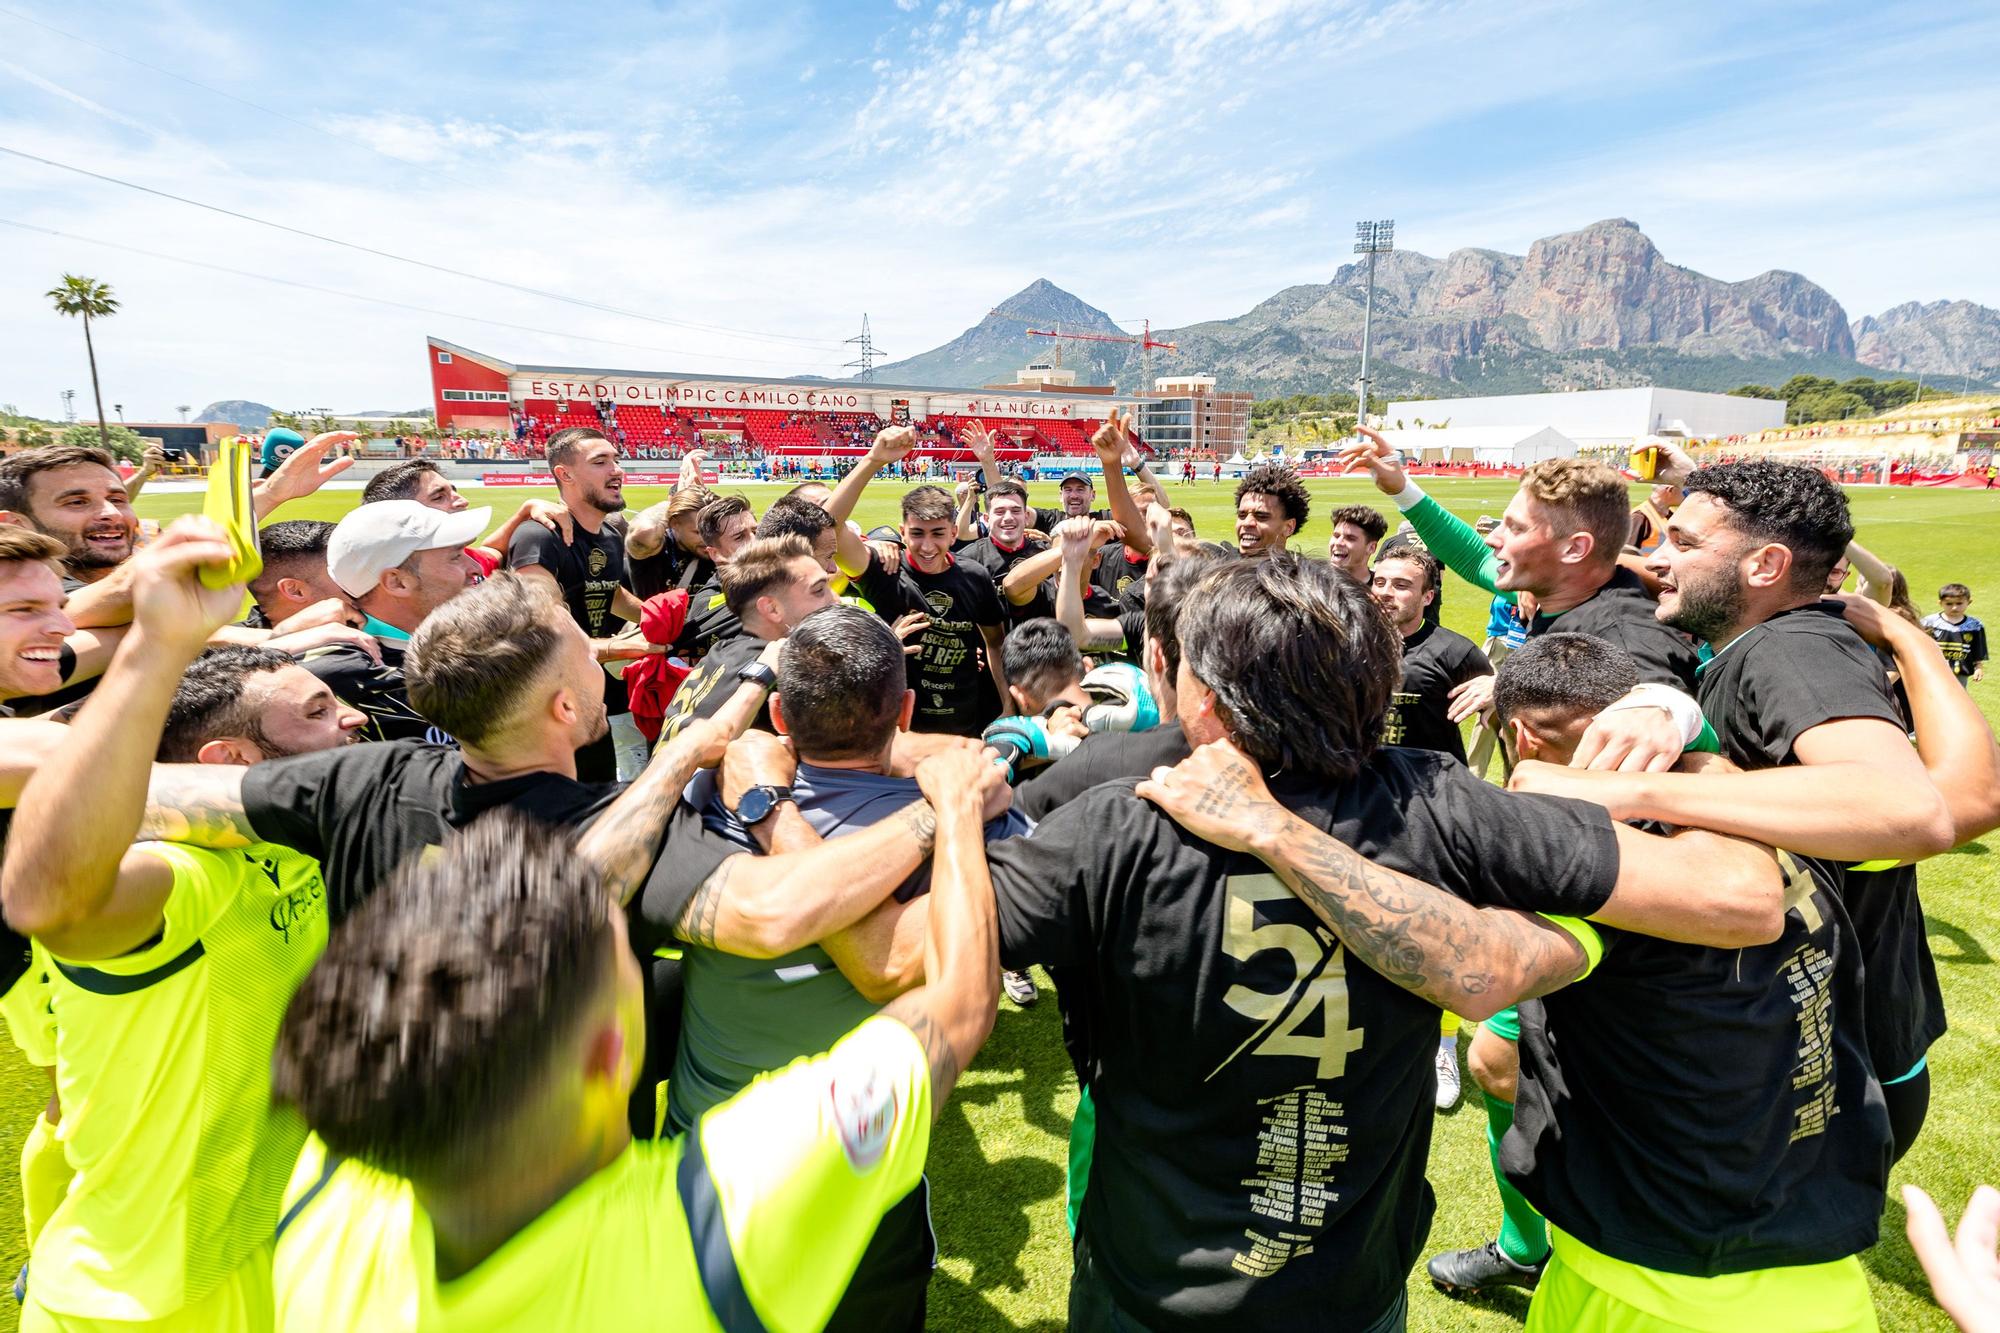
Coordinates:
x,y
384,534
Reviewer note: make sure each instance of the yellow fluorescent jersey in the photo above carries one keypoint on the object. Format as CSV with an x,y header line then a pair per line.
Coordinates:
x,y
26,1009
754,1221
163,1063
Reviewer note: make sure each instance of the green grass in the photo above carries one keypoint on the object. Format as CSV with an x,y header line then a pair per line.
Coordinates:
x,y
997,1163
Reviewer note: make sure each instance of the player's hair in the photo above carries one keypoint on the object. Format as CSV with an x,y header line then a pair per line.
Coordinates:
x,y
708,522
1167,588
1006,486
791,516
475,659
689,501
209,704
798,492
1564,675
565,445
841,679
927,504
1954,590
400,481
1366,517
429,1023
287,547
1583,495
760,566
1789,504
1041,658
1184,516
1301,660
1422,559
18,545
1281,482
18,469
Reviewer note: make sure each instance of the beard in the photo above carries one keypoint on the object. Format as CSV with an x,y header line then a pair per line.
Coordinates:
x,y
81,555
1709,607
596,723
606,501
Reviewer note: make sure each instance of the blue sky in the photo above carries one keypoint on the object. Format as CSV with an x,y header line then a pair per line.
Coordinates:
x,y
751,178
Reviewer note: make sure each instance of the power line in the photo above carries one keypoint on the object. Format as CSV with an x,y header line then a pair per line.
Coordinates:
x,y
377,300
422,263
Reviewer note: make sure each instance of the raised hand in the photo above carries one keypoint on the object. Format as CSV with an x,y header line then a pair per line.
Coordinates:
x,y
551,515
301,474
964,773
1379,457
170,603
1078,537
892,445
1964,1274
983,442
1113,438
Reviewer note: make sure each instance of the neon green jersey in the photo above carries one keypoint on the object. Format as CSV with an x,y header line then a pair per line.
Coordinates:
x,y
163,1062
757,1219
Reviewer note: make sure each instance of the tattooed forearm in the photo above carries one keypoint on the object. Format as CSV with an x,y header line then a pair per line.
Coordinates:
x,y
913,1012
198,804
921,821
625,840
1454,954
698,919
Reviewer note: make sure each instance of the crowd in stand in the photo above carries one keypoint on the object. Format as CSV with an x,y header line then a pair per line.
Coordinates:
x,y
579,921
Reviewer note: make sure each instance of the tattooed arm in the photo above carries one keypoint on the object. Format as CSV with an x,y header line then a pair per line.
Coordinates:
x,y
952,1013
625,840
1471,960
199,804
767,906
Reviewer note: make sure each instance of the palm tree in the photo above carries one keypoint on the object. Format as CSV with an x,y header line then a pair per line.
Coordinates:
x,y
87,297
184,409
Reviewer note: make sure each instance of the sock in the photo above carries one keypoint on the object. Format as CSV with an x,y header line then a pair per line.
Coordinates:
x,y
45,1176
1524,1236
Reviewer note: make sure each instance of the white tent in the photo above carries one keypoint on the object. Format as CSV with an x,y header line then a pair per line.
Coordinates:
x,y
1488,446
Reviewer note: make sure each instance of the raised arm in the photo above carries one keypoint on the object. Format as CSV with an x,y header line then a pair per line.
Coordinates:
x,y
968,508
1075,537
892,445
301,474
647,534
1875,577
1473,961
985,447
150,462
1953,739
77,884
1112,440
1025,578
952,1013
1451,539
548,513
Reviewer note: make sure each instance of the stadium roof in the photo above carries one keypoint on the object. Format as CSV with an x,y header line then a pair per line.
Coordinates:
x,y
874,386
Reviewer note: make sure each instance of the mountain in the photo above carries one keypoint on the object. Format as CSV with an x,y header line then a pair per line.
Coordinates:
x,y
1939,338
240,411
1594,308
991,351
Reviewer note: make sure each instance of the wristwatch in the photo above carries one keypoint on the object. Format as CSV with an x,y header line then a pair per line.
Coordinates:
x,y
758,672
758,803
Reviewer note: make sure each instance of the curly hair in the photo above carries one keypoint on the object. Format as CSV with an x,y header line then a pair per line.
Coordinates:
x,y
425,1027
1301,659
1787,504
1281,482
1365,517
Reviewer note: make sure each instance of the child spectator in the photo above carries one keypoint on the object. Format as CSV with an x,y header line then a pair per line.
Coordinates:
x,y
1962,637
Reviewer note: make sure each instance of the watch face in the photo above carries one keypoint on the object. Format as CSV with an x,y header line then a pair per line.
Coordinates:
x,y
756,804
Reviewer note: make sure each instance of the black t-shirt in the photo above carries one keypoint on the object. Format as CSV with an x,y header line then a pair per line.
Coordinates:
x,y
1264,1104
955,691
1773,683
1435,661
377,690
363,810
1708,1111
1045,520
886,593
669,567
709,621
1120,572
14,951
713,683
998,564
590,568
1100,757
1621,613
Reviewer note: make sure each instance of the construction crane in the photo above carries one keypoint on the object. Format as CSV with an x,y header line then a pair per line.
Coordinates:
x,y
1145,341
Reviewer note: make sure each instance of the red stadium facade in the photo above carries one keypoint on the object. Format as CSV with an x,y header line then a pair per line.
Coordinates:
x,y
660,414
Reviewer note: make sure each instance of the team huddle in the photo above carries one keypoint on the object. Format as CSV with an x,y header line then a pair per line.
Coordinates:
x,y
579,921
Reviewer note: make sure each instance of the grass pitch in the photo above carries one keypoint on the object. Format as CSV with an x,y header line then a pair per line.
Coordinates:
x,y
999,1152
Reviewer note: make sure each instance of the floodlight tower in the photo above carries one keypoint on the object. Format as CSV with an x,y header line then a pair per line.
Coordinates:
x,y
1371,239
69,405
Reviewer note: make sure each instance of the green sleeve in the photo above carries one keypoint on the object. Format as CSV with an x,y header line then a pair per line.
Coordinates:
x,y
1455,542
1706,743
